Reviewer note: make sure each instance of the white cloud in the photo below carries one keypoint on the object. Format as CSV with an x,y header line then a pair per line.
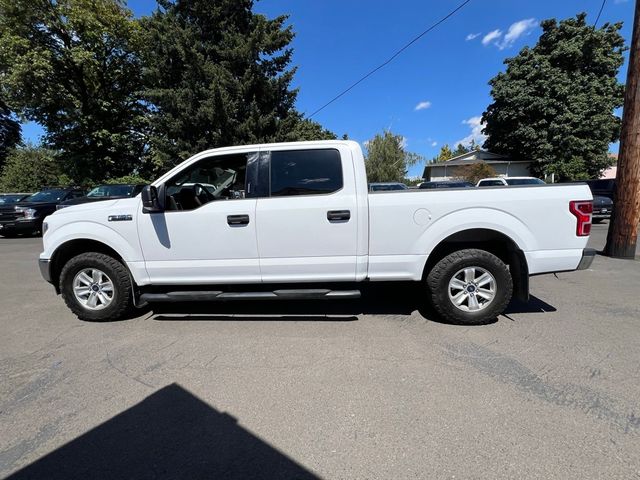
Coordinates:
x,y
434,143
472,36
491,36
517,30
476,126
422,105
404,142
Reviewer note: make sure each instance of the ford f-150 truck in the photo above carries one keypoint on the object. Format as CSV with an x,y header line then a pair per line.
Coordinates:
x,y
296,220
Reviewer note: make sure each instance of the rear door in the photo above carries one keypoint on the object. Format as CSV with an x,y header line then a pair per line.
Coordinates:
x,y
307,224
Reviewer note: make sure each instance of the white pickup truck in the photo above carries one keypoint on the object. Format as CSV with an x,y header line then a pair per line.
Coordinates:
x,y
296,220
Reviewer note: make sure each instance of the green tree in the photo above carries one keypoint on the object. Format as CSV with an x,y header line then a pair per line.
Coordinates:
x,y
216,74
29,168
72,66
296,129
445,154
554,103
9,132
460,150
387,160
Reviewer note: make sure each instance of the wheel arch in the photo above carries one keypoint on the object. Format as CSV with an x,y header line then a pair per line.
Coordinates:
x,y
492,241
69,249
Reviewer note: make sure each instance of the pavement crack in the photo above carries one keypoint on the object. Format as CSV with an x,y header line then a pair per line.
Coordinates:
x,y
122,372
510,371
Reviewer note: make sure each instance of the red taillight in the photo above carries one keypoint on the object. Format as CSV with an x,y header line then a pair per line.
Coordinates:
x,y
582,209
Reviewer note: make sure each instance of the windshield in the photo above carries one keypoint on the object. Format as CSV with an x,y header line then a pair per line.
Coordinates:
x,y
524,181
111,191
4,199
490,183
54,195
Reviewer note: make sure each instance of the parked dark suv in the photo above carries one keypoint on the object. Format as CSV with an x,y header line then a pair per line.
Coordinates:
x,y
602,191
26,216
105,192
602,187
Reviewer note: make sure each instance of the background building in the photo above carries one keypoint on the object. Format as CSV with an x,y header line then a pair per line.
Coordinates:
x,y
503,165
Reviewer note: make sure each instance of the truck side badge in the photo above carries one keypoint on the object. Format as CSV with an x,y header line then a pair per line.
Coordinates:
x,y
120,218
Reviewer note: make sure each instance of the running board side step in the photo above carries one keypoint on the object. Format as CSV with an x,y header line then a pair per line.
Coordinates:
x,y
217,296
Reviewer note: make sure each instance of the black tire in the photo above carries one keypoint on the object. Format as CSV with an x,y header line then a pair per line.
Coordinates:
x,y
122,301
442,273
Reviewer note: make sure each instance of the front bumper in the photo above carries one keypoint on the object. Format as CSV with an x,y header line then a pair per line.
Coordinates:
x,y
45,268
19,226
588,254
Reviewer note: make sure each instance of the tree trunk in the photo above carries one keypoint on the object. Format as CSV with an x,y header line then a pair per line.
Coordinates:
x,y
623,228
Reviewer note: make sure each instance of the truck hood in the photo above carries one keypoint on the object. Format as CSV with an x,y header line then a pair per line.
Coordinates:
x,y
30,205
81,200
86,207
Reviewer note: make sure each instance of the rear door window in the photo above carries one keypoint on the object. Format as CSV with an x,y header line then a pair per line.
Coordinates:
x,y
305,172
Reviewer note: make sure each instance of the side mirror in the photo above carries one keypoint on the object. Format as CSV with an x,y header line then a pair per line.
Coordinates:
x,y
150,201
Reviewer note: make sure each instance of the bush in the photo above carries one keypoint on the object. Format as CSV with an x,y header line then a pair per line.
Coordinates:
x,y
29,168
133,179
477,171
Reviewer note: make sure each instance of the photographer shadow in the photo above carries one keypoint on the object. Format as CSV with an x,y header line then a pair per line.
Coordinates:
x,y
170,434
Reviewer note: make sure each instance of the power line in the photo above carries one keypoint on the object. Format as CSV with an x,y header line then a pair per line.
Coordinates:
x,y
599,13
392,57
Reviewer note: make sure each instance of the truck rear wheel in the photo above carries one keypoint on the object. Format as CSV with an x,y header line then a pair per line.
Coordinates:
x,y
96,287
470,287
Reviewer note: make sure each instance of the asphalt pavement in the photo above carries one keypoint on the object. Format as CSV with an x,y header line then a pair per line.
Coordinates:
x,y
375,388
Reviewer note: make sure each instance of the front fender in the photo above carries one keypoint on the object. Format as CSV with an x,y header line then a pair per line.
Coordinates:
x,y
129,251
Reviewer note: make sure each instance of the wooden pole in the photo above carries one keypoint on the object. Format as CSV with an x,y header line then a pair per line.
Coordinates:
x,y
623,227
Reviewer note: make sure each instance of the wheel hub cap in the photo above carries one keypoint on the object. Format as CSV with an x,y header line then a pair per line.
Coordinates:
x,y
472,289
93,289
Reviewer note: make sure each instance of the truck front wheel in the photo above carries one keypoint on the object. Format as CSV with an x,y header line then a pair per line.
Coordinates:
x,y
96,287
470,286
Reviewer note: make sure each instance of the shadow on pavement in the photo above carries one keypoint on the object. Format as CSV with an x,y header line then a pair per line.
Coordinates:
x,y
171,434
534,305
395,299
212,317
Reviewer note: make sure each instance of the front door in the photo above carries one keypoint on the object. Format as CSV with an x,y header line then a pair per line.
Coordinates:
x,y
207,234
307,225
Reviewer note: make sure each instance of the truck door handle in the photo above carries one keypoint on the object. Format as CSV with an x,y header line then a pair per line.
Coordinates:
x,y
338,215
235,220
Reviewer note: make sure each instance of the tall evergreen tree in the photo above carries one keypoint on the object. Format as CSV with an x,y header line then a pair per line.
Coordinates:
x,y
444,154
460,150
555,102
215,74
295,128
71,65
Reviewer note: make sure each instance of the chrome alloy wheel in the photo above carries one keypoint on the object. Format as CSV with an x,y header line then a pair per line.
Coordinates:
x,y
472,289
93,289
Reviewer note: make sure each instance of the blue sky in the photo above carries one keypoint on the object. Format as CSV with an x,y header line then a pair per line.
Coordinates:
x,y
436,90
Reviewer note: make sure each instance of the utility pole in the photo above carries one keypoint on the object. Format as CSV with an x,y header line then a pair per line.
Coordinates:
x,y
623,227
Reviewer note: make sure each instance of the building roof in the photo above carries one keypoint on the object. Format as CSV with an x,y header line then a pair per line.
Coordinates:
x,y
472,157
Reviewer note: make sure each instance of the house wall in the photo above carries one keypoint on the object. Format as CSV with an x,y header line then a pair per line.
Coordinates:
x,y
610,172
502,169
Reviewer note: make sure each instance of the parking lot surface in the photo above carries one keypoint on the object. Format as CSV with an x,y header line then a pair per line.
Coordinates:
x,y
376,388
